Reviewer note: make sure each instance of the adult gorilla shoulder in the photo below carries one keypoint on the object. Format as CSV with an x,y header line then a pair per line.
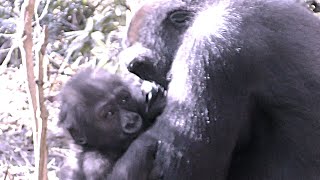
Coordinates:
x,y
244,96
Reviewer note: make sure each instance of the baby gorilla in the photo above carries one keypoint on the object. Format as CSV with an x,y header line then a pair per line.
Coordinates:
x,y
103,113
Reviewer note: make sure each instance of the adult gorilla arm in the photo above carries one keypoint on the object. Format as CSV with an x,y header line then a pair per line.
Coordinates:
x,y
244,97
137,162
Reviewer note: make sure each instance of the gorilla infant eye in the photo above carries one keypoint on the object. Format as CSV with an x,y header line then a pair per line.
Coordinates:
x,y
180,17
72,131
124,97
105,113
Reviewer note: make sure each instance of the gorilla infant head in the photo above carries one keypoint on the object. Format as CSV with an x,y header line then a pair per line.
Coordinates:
x,y
102,111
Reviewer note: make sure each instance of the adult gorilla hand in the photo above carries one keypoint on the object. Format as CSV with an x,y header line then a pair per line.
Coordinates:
x,y
137,162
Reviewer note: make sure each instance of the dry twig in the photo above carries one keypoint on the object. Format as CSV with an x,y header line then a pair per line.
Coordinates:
x,y
36,95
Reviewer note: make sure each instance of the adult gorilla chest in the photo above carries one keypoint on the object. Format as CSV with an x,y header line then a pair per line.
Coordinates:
x,y
243,80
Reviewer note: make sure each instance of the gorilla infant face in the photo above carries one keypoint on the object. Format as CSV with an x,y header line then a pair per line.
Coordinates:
x,y
101,110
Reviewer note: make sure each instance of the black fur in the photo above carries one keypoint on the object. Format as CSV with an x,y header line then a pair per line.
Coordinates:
x,y
243,80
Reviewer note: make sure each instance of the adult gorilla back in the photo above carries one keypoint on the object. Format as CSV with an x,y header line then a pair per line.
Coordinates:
x,y
244,96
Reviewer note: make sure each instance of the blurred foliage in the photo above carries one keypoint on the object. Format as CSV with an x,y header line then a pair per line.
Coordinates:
x,y
79,30
8,16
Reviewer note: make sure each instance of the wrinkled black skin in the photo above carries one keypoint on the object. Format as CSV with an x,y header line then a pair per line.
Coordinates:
x,y
94,106
266,97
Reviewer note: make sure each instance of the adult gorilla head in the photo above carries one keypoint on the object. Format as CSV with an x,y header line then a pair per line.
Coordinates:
x,y
154,35
244,96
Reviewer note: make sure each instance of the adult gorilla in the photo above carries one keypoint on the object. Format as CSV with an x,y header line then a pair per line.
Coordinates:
x,y
244,96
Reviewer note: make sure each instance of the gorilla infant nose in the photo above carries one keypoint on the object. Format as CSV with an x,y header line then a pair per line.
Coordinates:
x,y
134,122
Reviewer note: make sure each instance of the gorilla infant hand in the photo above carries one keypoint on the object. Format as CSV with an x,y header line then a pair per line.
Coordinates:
x,y
243,80
104,113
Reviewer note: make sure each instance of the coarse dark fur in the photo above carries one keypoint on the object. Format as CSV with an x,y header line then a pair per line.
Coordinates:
x,y
243,80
